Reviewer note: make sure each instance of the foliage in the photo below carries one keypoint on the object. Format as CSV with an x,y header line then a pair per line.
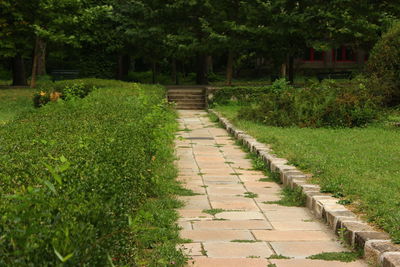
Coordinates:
x,y
89,182
240,95
13,102
66,90
320,105
383,67
96,64
360,164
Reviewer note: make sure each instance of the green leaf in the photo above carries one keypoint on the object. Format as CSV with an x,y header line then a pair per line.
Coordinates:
x,y
64,167
110,260
55,175
63,159
50,186
61,258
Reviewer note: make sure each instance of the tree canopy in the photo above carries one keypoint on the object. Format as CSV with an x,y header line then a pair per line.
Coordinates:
x,y
182,31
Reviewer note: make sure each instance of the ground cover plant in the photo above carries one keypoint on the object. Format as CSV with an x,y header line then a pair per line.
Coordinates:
x,y
13,102
89,182
358,164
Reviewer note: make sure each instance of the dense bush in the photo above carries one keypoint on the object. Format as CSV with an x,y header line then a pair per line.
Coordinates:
x,y
51,91
245,95
319,105
384,67
240,95
88,182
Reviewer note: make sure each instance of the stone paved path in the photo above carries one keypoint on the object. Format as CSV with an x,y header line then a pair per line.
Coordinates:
x,y
247,232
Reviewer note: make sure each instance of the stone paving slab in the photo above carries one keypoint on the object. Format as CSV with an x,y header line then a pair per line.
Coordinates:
x,y
237,250
234,225
228,262
305,249
217,235
316,263
267,235
221,173
241,215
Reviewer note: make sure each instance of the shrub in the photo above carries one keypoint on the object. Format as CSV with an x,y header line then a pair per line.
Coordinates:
x,y
48,91
240,95
89,182
245,95
328,104
384,67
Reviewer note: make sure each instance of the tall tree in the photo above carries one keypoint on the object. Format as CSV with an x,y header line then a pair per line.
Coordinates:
x,y
15,37
230,31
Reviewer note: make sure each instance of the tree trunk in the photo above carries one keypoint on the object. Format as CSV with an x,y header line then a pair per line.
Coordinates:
x,y
18,71
123,66
153,70
283,70
35,63
174,73
291,69
41,58
210,64
229,69
201,77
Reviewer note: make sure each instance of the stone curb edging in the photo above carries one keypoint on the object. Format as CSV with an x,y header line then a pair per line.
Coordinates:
x,y
377,246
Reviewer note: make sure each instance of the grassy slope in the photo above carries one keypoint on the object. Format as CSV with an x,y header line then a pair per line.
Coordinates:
x,y
13,102
363,164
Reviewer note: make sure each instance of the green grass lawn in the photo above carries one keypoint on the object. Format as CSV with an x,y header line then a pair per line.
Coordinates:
x,y
13,102
361,164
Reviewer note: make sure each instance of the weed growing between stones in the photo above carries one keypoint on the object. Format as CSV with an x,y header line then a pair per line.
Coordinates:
x,y
203,250
290,198
337,256
250,195
213,211
278,257
244,241
181,191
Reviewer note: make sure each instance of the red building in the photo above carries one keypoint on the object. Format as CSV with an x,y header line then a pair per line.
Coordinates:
x,y
343,58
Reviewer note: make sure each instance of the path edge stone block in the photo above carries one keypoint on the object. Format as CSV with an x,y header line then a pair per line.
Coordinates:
x,y
377,246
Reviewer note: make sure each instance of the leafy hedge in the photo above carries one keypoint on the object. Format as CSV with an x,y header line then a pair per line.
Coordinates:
x,y
88,182
244,95
384,67
328,104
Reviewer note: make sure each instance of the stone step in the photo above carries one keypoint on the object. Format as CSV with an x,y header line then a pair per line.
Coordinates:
x,y
188,98
190,105
196,92
190,108
189,102
194,101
